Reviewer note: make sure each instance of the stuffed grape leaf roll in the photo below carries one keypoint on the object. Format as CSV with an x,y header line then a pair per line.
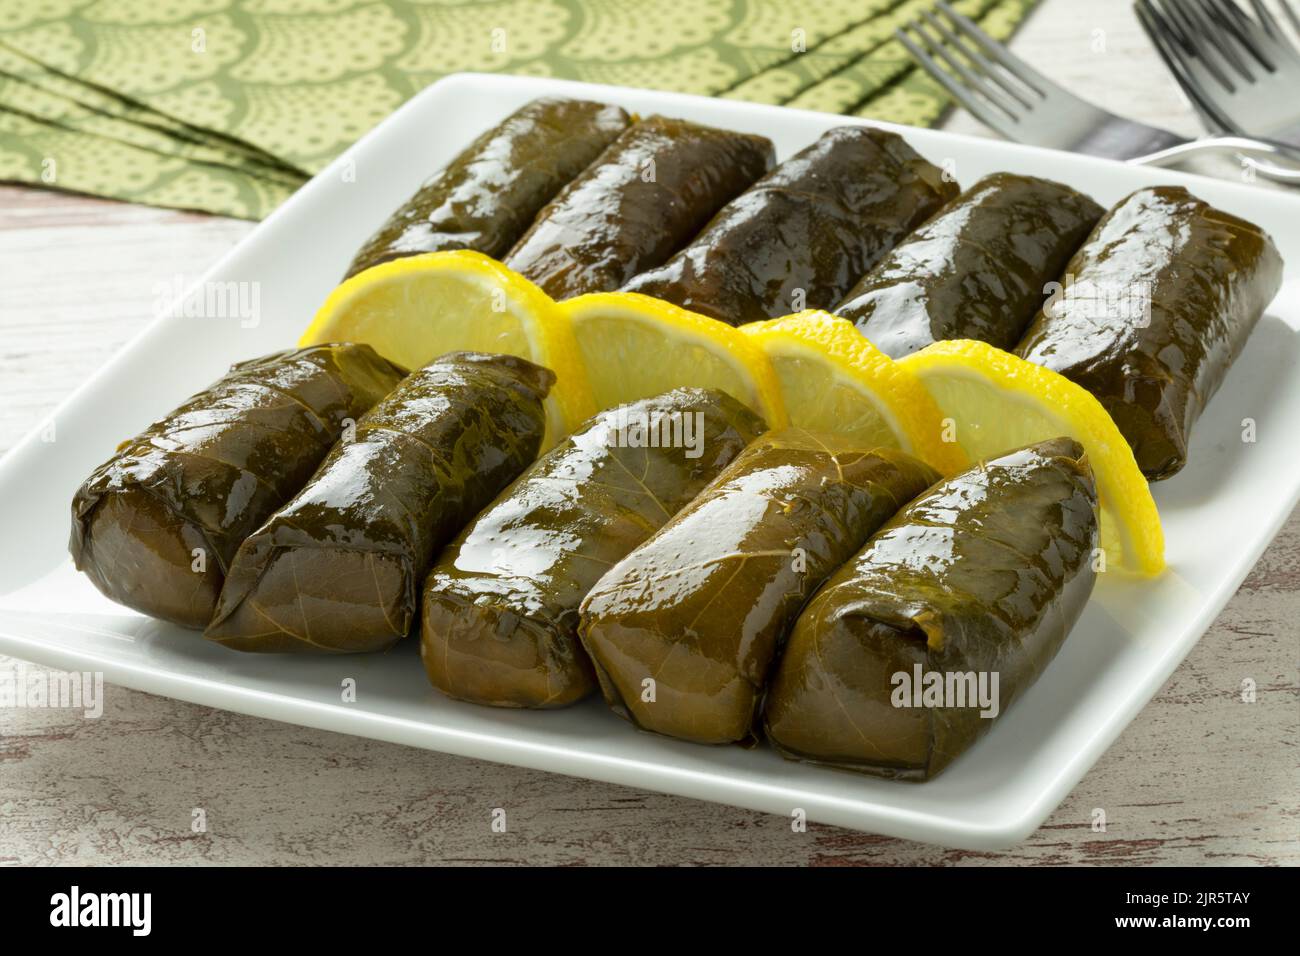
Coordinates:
x,y
487,196
1157,305
644,198
977,270
804,233
155,527
684,630
338,568
501,605
970,589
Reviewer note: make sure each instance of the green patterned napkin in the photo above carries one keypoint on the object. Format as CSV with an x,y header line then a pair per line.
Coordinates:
x,y
225,105
32,86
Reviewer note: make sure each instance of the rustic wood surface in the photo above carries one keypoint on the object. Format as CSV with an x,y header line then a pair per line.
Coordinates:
x,y
1199,777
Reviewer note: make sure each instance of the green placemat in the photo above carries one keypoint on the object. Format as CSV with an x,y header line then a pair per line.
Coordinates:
x,y
50,155
214,104
37,85
853,72
47,107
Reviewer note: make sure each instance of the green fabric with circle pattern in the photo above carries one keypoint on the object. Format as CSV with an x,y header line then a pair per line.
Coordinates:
x,y
228,105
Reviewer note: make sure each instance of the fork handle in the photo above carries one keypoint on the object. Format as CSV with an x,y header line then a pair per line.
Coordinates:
x,y
1250,147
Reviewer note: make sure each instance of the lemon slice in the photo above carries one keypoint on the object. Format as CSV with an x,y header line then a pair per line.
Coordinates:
x,y
997,402
833,380
634,346
415,309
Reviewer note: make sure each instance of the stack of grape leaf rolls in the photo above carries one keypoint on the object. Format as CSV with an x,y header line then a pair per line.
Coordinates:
x,y
977,270
644,198
1157,305
977,582
684,630
338,568
501,605
156,526
487,196
804,233
717,582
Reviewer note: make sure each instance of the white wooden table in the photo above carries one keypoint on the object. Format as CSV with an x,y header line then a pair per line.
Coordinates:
x,y
1199,777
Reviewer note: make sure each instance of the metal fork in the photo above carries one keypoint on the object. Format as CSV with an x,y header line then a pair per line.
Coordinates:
x,y
1241,72
1021,104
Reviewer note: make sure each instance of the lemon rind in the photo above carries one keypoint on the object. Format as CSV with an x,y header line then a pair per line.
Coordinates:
x,y
904,404
548,336
1125,492
749,363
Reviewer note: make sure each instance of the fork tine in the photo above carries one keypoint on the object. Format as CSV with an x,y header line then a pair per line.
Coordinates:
x,y
998,76
1016,66
1165,38
1265,29
975,82
1281,44
1228,13
1265,19
1290,14
1170,27
989,117
1241,28
1227,42
1192,34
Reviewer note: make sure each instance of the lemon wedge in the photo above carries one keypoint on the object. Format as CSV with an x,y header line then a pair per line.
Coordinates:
x,y
996,401
634,346
415,309
833,380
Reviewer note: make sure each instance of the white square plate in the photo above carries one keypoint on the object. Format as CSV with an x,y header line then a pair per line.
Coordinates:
x,y
1219,513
